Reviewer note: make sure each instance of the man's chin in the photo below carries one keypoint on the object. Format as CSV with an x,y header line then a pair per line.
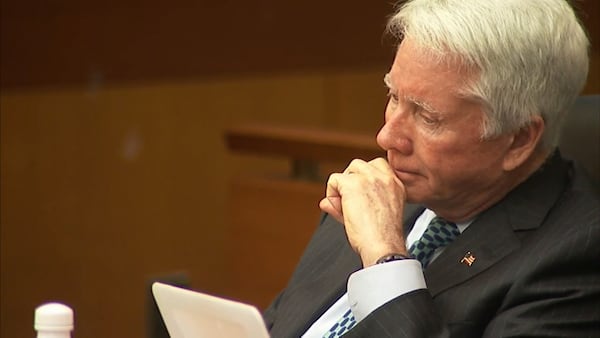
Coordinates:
x,y
415,197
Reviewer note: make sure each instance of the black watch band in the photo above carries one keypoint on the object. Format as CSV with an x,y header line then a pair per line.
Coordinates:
x,y
391,258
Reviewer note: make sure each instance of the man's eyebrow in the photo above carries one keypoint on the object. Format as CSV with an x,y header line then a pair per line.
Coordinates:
x,y
387,79
422,104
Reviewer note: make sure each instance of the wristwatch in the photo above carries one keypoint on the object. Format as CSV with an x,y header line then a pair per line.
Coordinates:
x,y
392,257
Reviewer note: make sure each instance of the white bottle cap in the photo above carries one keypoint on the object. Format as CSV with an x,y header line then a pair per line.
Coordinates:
x,y
53,317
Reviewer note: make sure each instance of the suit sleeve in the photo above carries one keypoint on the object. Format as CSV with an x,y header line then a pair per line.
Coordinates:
x,y
408,316
270,313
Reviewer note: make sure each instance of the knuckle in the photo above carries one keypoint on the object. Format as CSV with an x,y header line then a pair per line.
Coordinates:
x,y
357,162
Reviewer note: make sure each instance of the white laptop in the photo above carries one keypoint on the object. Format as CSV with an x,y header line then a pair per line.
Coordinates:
x,y
190,314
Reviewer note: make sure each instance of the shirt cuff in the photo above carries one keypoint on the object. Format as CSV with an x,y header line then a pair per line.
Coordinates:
x,y
370,288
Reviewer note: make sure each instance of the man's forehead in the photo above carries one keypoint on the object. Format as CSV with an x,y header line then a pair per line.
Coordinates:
x,y
414,63
421,55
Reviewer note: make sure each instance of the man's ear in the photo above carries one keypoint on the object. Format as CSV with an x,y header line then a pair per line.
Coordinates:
x,y
524,142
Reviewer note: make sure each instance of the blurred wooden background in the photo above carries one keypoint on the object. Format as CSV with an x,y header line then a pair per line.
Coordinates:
x,y
114,168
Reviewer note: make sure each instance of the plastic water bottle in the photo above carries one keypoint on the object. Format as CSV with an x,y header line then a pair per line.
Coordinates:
x,y
53,320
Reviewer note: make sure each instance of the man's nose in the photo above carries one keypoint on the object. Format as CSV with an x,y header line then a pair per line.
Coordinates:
x,y
395,135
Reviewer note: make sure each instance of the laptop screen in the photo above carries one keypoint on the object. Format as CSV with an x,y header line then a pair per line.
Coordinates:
x,y
191,314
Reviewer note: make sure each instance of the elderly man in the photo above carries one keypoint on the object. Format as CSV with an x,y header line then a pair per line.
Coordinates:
x,y
502,235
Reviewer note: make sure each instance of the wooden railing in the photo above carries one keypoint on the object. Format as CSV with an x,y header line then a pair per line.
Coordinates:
x,y
306,148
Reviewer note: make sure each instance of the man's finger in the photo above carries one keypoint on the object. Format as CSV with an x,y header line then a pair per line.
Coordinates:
x,y
381,164
334,185
356,166
333,206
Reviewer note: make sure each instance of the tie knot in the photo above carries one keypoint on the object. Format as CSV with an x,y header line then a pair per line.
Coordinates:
x,y
439,233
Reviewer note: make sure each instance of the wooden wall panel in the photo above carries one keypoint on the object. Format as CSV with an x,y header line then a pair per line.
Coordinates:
x,y
104,189
79,42
96,42
270,222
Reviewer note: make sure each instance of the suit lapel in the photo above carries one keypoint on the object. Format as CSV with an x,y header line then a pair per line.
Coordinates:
x,y
493,235
486,241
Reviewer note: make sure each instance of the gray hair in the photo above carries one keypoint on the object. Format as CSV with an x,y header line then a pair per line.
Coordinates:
x,y
531,55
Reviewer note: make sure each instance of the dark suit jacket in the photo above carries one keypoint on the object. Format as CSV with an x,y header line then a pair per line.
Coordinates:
x,y
536,271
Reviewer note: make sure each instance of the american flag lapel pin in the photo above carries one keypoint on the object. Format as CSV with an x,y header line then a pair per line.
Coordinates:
x,y
468,259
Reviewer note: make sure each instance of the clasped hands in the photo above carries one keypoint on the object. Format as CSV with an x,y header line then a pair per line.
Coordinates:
x,y
369,200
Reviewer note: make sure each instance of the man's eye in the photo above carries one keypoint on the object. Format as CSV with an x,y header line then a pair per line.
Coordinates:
x,y
392,96
428,120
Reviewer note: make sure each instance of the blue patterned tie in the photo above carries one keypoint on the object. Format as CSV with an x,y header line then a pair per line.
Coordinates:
x,y
342,326
439,233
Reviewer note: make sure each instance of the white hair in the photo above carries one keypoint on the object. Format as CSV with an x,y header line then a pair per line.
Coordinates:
x,y
531,56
